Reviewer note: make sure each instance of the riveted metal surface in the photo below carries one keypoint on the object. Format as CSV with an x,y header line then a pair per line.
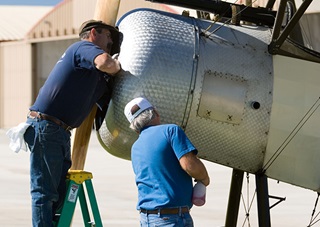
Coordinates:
x,y
238,54
157,56
167,57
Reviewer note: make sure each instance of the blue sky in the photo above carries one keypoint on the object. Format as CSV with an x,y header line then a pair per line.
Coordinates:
x,y
30,2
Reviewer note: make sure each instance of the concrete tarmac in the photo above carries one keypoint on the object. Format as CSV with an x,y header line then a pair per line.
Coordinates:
x,y
116,193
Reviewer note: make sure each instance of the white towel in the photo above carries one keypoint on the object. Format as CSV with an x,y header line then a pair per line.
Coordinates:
x,y
15,134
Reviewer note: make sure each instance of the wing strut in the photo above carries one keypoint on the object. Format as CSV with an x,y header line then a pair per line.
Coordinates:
x,y
234,198
263,200
277,38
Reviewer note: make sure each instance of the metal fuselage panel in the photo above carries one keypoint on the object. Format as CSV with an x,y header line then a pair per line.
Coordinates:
x,y
215,82
295,126
236,71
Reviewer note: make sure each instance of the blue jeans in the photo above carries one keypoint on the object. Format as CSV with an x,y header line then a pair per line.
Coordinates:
x,y
168,220
50,160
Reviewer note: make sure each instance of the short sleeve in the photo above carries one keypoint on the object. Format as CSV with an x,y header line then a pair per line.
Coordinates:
x,y
85,55
179,141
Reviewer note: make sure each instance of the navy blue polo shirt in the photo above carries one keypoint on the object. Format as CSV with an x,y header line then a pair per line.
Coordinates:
x,y
73,86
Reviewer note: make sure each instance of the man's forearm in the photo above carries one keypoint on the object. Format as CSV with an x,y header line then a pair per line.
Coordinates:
x,y
195,168
199,173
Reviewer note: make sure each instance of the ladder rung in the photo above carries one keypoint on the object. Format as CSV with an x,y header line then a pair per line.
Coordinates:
x,y
79,176
76,180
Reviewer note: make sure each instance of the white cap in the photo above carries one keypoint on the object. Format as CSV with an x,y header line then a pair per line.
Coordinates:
x,y
142,105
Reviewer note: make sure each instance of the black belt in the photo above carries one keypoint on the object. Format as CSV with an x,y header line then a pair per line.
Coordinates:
x,y
35,114
166,211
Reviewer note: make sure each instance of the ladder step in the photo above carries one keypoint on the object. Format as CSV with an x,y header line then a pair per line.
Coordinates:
x,y
77,179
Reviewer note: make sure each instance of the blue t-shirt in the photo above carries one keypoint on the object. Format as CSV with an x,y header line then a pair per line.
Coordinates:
x,y
74,85
161,181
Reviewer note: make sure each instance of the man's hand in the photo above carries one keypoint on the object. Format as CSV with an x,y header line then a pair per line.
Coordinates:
x,y
105,63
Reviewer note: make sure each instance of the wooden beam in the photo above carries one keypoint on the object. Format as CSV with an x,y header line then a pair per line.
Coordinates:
x,y
106,11
81,141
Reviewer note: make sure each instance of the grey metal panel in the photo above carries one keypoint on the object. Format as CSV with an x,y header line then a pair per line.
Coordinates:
x,y
166,61
239,54
222,98
157,55
292,153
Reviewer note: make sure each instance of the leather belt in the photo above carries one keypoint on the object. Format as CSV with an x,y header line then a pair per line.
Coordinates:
x,y
166,211
34,114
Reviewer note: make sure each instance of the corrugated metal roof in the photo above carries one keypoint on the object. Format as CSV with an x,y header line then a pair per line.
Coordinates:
x,y
16,21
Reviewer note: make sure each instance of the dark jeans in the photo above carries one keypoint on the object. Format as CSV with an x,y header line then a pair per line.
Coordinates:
x,y
50,160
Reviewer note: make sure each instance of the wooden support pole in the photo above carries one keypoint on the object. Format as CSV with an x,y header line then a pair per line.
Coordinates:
x,y
106,11
81,141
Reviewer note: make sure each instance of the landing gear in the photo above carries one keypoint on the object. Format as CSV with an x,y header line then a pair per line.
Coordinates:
x,y
235,195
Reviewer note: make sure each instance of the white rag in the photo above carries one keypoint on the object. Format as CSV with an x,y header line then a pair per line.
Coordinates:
x,y
15,134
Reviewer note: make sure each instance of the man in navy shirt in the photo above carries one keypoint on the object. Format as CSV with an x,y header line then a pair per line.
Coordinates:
x,y
164,162
81,78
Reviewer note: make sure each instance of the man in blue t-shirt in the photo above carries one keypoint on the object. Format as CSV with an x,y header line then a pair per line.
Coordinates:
x,y
81,78
164,162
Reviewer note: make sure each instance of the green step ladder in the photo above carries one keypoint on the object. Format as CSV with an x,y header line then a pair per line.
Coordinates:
x,y
76,181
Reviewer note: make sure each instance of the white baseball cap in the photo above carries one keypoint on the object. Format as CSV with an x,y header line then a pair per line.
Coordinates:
x,y
141,104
